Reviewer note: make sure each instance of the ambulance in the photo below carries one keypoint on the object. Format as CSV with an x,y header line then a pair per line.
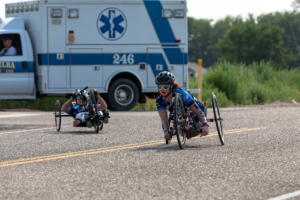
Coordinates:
x,y
114,46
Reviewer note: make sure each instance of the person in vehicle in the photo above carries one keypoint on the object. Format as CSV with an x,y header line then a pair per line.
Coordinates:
x,y
8,49
167,90
79,113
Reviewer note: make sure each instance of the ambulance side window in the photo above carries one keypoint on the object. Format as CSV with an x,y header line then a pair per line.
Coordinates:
x,y
16,43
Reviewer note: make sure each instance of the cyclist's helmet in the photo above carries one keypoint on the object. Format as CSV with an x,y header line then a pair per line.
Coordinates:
x,y
165,78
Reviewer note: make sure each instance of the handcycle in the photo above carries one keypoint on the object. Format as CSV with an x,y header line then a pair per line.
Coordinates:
x,y
182,124
89,105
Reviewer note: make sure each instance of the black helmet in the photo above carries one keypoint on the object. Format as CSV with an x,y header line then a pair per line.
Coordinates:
x,y
165,78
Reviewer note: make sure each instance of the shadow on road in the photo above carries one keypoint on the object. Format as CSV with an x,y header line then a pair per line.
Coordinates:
x,y
78,132
175,147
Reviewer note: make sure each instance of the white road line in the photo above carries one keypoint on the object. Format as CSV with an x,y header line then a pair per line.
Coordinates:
x,y
17,115
287,196
30,130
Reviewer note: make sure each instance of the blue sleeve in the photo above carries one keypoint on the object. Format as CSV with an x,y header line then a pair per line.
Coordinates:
x,y
160,104
187,99
70,109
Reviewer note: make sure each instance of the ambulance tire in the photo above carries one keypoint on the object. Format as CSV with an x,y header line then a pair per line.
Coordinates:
x,y
123,94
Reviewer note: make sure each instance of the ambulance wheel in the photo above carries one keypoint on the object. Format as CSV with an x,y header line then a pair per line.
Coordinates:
x,y
57,115
123,94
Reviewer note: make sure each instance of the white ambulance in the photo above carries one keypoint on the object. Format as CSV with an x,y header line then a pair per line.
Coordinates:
x,y
115,46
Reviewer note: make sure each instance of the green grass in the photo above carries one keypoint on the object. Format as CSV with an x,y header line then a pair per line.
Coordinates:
x,y
233,84
251,85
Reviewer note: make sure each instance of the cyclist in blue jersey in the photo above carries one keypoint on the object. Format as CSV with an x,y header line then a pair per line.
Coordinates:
x,y
78,112
168,88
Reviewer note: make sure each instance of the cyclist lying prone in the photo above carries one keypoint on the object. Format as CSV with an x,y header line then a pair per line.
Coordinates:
x,y
79,112
168,88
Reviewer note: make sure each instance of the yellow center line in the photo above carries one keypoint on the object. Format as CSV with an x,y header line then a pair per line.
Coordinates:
x,y
104,150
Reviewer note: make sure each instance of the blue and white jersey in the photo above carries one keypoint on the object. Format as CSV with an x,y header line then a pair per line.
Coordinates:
x,y
74,110
188,100
79,112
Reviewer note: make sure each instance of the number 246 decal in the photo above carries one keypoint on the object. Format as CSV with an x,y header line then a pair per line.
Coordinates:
x,y
125,59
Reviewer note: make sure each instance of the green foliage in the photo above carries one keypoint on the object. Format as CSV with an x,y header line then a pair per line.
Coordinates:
x,y
257,83
289,22
203,36
251,42
208,89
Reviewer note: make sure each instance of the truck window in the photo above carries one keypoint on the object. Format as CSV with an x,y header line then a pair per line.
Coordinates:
x,y
10,45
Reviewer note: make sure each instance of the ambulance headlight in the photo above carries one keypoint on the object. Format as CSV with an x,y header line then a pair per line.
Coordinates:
x,y
73,13
26,8
7,10
11,10
179,13
16,9
167,13
36,7
21,8
30,7
56,13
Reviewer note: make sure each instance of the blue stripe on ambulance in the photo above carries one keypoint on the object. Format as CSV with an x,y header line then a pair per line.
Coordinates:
x,y
103,59
16,67
164,32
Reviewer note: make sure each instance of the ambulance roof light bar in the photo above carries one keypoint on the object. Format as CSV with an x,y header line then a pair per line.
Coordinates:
x,y
17,9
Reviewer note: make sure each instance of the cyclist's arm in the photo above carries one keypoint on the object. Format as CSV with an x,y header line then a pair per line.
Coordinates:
x,y
66,107
102,104
188,100
198,112
164,120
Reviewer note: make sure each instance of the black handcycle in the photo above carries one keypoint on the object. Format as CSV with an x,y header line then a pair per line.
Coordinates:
x,y
182,124
89,105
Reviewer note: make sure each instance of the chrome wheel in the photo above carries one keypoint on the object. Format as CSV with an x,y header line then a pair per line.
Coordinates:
x,y
124,95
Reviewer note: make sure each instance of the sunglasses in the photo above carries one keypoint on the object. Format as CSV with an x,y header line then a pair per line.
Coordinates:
x,y
165,87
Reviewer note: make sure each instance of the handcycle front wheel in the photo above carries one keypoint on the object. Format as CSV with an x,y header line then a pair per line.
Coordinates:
x,y
179,121
171,130
96,121
218,119
57,115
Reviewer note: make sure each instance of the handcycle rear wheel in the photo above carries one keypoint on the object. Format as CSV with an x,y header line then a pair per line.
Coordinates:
x,y
96,121
179,121
57,115
218,119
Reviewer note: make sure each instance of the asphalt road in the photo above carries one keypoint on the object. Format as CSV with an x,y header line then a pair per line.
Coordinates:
x,y
129,159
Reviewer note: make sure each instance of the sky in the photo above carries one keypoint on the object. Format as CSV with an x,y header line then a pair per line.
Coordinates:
x,y
218,9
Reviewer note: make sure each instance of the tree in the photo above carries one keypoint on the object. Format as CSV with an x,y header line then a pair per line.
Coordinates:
x,y
290,23
251,42
203,36
199,31
296,4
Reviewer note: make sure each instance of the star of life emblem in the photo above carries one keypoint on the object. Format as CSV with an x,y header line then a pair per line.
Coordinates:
x,y
111,24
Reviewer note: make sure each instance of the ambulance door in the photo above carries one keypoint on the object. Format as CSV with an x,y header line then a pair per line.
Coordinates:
x,y
156,63
176,60
86,68
165,59
15,67
57,59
